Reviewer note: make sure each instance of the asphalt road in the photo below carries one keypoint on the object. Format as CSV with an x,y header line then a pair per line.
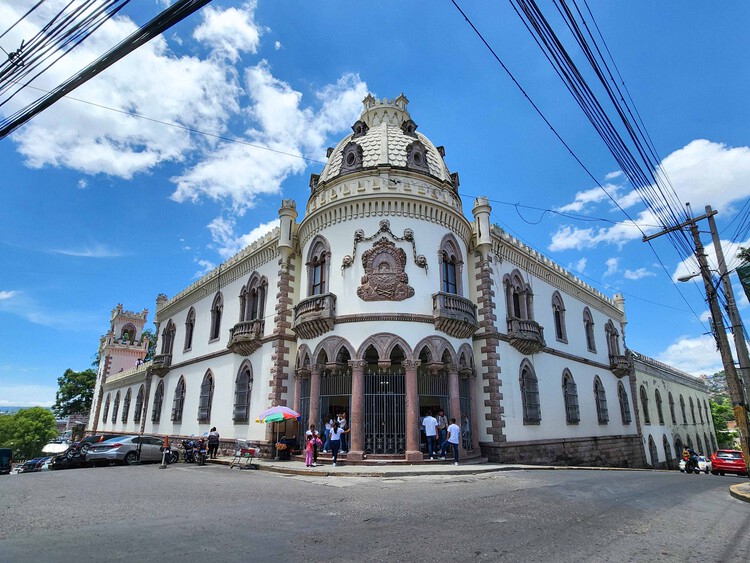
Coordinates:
x,y
215,514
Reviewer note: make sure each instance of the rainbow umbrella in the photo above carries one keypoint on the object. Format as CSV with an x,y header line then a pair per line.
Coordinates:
x,y
277,414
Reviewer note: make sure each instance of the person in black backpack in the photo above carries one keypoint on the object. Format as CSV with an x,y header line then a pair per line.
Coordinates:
x,y
213,443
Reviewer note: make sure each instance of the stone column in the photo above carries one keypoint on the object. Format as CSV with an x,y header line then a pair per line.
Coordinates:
x,y
297,389
473,414
454,392
314,412
412,411
356,416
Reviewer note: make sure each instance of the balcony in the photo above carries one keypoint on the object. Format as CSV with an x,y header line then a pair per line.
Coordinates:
x,y
619,365
160,364
246,337
314,315
454,315
526,336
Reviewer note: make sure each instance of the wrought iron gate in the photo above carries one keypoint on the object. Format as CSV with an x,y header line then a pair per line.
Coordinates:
x,y
385,412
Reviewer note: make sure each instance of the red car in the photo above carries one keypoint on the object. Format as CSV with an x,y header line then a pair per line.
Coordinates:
x,y
728,461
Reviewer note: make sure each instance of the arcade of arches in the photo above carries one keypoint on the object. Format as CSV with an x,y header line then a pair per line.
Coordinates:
x,y
387,387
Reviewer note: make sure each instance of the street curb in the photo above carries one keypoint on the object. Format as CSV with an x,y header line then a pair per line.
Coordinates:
x,y
740,491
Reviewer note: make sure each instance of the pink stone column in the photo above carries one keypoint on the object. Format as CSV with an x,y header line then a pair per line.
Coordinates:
x,y
412,411
454,393
356,416
314,412
297,389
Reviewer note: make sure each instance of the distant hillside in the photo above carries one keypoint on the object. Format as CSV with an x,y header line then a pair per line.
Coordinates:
x,y
717,386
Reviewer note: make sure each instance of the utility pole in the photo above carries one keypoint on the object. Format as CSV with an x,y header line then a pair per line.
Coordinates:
x,y
738,330
734,384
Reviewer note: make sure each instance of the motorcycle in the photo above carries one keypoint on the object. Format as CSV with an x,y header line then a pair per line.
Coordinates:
x,y
173,454
691,465
189,447
201,452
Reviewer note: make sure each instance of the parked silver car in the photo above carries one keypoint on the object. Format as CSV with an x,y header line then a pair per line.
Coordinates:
x,y
126,449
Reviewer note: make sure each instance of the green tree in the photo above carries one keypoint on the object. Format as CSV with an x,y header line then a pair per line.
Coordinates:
x,y
27,431
151,344
744,254
75,393
721,413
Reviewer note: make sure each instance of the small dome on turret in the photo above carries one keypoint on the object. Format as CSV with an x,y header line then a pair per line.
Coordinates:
x,y
385,135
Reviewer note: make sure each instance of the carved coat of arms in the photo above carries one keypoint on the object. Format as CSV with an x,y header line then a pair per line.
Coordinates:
x,y
384,279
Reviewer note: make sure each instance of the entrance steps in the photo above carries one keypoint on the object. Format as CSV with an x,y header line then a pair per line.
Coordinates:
x,y
391,460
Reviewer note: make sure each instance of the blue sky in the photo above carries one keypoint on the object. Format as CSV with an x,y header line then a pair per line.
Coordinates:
x,y
98,207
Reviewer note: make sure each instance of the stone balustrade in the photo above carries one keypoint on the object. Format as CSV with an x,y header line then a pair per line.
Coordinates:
x,y
454,315
526,336
246,337
160,364
314,316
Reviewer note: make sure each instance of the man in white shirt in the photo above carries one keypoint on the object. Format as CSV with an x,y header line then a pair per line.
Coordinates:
x,y
454,436
430,424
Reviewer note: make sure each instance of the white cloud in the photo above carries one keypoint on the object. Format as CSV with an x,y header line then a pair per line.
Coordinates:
x,y
27,395
227,243
151,81
579,266
82,184
702,173
693,355
638,274
283,132
277,45
7,294
584,198
613,175
230,31
94,251
206,267
612,266
690,265
24,306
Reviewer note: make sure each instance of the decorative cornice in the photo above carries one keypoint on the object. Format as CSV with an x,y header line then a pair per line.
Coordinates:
x,y
383,317
655,368
526,258
262,251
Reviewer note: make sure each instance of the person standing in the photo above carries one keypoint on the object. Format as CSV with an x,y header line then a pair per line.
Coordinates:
x,y
336,433
314,437
454,436
430,424
442,426
327,433
213,443
345,437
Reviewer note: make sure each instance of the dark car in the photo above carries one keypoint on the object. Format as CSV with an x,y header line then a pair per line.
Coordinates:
x,y
33,465
6,460
728,461
75,455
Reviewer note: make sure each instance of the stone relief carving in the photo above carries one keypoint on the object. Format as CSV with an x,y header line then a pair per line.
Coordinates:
x,y
384,279
385,227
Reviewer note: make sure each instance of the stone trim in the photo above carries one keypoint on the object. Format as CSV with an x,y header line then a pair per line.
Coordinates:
x,y
382,317
282,334
489,354
649,366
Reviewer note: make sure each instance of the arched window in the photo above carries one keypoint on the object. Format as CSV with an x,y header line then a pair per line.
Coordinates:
x,y
127,335
106,409
126,406
644,404
658,406
189,329
116,407
167,338
682,408
653,452
139,404
217,307
532,411
700,412
602,412
179,401
588,327
558,312
700,443
613,339
705,408
318,267
450,266
570,396
518,297
667,449
253,299
622,397
692,410
158,397
243,387
206,398
671,409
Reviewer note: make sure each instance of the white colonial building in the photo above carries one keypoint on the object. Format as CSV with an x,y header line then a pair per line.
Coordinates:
x,y
385,301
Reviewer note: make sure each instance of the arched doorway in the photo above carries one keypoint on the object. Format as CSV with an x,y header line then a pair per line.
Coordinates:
x,y
384,413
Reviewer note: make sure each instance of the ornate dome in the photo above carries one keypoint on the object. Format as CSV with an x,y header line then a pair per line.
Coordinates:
x,y
386,135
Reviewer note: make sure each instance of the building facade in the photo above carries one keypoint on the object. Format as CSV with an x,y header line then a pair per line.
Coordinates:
x,y
385,301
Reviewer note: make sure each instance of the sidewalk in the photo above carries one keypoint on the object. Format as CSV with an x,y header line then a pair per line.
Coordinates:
x,y
740,491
